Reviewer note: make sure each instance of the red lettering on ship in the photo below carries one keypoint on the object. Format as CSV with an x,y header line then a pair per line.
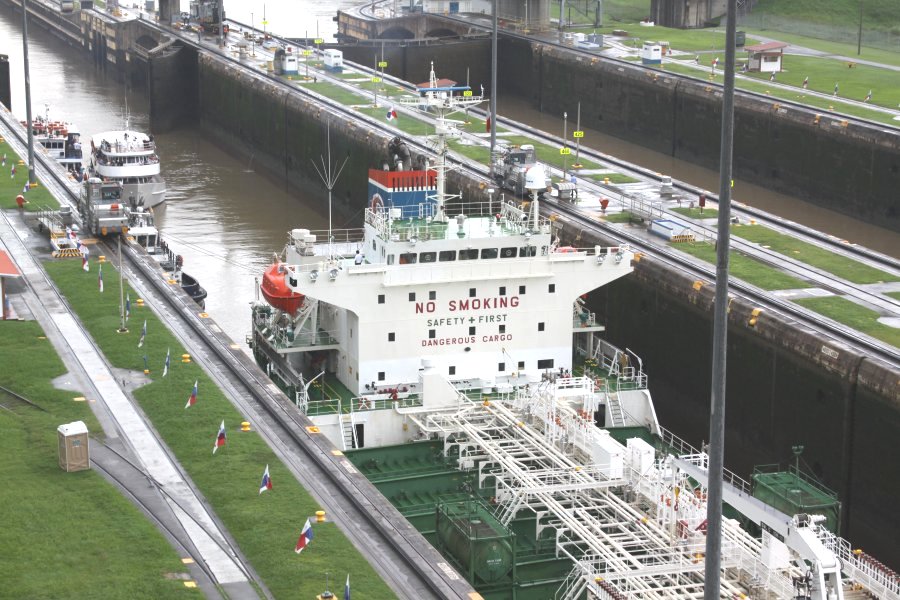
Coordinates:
x,y
424,307
483,303
503,337
451,341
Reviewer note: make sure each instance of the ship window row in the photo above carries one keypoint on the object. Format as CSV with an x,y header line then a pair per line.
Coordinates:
x,y
411,258
432,333
473,293
543,364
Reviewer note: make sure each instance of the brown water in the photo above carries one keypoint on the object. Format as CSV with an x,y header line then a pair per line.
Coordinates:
x,y
225,218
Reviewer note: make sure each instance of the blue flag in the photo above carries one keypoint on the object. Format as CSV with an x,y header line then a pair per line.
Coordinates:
x,y
347,588
143,334
127,306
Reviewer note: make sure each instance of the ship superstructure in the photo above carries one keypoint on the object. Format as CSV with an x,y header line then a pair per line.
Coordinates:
x,y
129,157
454,333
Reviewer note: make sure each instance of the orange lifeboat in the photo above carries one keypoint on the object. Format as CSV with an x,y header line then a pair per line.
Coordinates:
x,y
276,291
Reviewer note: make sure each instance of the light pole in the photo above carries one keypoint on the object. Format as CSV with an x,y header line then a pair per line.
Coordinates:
x,y
565,151
494,88
859,37
27,92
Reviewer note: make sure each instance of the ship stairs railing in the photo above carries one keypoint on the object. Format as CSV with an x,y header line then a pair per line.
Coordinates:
x,y
688,453
862,568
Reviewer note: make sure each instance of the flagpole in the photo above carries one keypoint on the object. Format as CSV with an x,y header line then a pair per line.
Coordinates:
x,y
122,329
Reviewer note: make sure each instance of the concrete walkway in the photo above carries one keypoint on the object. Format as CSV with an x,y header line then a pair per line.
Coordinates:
x,y
125,425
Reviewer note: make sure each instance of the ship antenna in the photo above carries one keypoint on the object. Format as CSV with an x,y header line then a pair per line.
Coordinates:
x,y
329,177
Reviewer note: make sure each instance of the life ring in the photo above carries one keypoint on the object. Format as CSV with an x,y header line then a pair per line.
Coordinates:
x,y
376,203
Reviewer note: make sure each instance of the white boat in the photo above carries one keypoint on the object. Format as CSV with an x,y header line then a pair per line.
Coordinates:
x,y
60,139
130,157
446,348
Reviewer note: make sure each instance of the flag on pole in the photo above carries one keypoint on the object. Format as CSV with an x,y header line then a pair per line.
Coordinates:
x,y
835,89
84,262
166,367
266,481
220,438
806,82
100,278
715,62
772,76
391,114
193,400
127,306
347,588
143,334
868,96
306,537
26,188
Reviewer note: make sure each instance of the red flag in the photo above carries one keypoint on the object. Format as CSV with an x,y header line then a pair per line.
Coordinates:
x,y
220,438
193,399
487,124
306,537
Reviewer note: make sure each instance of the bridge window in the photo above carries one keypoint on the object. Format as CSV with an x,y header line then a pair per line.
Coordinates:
x,y
489,253
527,251
468,254
408,258
447,255
428,257
508,252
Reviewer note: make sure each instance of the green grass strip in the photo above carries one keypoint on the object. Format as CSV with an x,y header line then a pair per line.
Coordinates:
x,y
265,526
745,268
66,534
688,40
619,217
10,187
335,92
813,255
613,178
895,295
858,317
696,212
403,122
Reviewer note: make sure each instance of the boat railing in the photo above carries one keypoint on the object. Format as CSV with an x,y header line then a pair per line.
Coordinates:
x,y
700,458
860,567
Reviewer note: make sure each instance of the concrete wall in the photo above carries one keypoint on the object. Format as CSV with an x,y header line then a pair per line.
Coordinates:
x,y
850,168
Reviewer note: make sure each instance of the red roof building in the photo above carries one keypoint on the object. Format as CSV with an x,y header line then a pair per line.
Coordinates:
x,y
765,58
8,270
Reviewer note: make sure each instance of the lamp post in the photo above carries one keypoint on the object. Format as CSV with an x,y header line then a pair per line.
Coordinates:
x,y
27,92
565,151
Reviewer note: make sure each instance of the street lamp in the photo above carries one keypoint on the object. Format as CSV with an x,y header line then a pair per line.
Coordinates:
x,y
565,152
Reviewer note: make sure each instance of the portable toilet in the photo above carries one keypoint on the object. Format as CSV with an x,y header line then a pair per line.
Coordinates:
x,y
651,53
334,60
74,453
290,62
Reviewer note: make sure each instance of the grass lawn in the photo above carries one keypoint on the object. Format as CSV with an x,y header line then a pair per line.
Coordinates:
x,y
66,534
895,295
745,268
403,122
613,177
482,154
836,264
339,94
687,40
828,105
696,213
852,314
853,83
265,526
832,47
619,217
10,187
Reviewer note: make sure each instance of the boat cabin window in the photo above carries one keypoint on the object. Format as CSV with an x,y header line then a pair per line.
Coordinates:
x,y
521,290
501,367
380,298
390,259
508,252
373,244
521,364
109,194
428,257
546,363
488,253
432,295
468,254
527,251
412,296
408,258
473,292
502,290
551,288
381,374
446,255
452,370
502,329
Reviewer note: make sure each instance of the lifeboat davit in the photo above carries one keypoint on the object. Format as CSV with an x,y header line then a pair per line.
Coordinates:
x,y
276,291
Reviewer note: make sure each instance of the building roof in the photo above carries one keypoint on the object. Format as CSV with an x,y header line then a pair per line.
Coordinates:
x,y
438,83
7,267
766,47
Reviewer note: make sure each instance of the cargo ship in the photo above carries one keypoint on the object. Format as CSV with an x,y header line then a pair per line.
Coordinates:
x,y
446,348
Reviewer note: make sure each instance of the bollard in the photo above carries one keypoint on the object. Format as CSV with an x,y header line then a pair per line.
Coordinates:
x,y
320,516
245,426
101,258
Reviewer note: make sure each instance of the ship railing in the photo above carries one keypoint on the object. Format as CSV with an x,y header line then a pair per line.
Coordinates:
x,y
700,458
775,468
860,567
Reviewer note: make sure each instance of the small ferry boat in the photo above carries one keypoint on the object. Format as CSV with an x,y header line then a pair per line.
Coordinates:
x,y
446,348
60,139
130,157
